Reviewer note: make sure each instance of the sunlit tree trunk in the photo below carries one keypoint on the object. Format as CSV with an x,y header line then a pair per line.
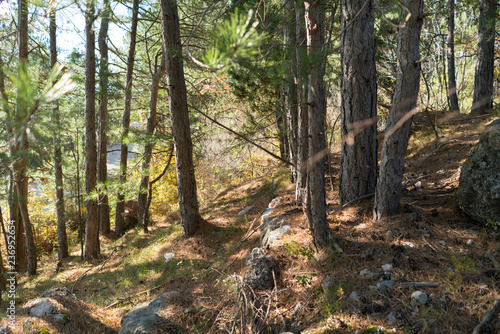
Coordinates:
x,y
179,114
316,194
62,239
102,168
389,184
290,87
92,222
301,79
142,210
358,172
21,142
120,206
483,80
452,81
21,259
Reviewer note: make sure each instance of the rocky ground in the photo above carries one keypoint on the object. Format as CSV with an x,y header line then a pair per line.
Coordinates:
x,y
431,269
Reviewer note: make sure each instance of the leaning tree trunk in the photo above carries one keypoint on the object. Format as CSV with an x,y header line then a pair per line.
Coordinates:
x,y
290,86
302,107
179,114
20,143
452,81
92,222
316,194
62,239
483,80
389,185
120,206
358,163
102,168
142,211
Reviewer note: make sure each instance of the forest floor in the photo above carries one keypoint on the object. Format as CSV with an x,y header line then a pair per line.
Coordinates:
x,y
430,241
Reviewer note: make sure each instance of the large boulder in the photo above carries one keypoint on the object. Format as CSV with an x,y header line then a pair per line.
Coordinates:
x,y
259,271
478,194
150,317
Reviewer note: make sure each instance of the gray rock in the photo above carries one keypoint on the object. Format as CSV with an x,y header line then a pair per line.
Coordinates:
x,y
387,267
271,230
384,285
58,293
442,242
141,319
144,318
392,319
408,245
258,275
245,211
5,330
418,298
275,202
327,283
366,273
470,242
169,256
41,307
478,193
355,296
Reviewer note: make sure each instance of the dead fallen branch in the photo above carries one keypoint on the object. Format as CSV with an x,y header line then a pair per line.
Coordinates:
x,y
488,316
419,285
121,300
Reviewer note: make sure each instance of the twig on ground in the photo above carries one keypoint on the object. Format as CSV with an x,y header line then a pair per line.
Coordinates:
x,y
121,300
437,148
419,285
488,316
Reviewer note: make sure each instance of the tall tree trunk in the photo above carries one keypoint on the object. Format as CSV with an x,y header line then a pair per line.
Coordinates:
x,y
21,259
2,268
62,239
483,80
358,163
290,87
21,144
92,222
389,185
102,168
452,81
302,108
179,114
316,194
120,206
15,217
142,211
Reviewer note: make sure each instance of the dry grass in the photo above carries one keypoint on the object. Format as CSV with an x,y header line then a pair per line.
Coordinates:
x,y
210,264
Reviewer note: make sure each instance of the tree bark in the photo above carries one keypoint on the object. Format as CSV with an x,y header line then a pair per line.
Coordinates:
x,y
316,194
302,108
483,80
15,218
102,168
92,222
142,210
21,259
62,239
20,149
358,163
452,81
120,206
389,185
2,268
290,87
179,114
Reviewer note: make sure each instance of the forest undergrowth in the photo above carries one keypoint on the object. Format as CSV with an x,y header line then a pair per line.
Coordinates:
x,y
431,241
